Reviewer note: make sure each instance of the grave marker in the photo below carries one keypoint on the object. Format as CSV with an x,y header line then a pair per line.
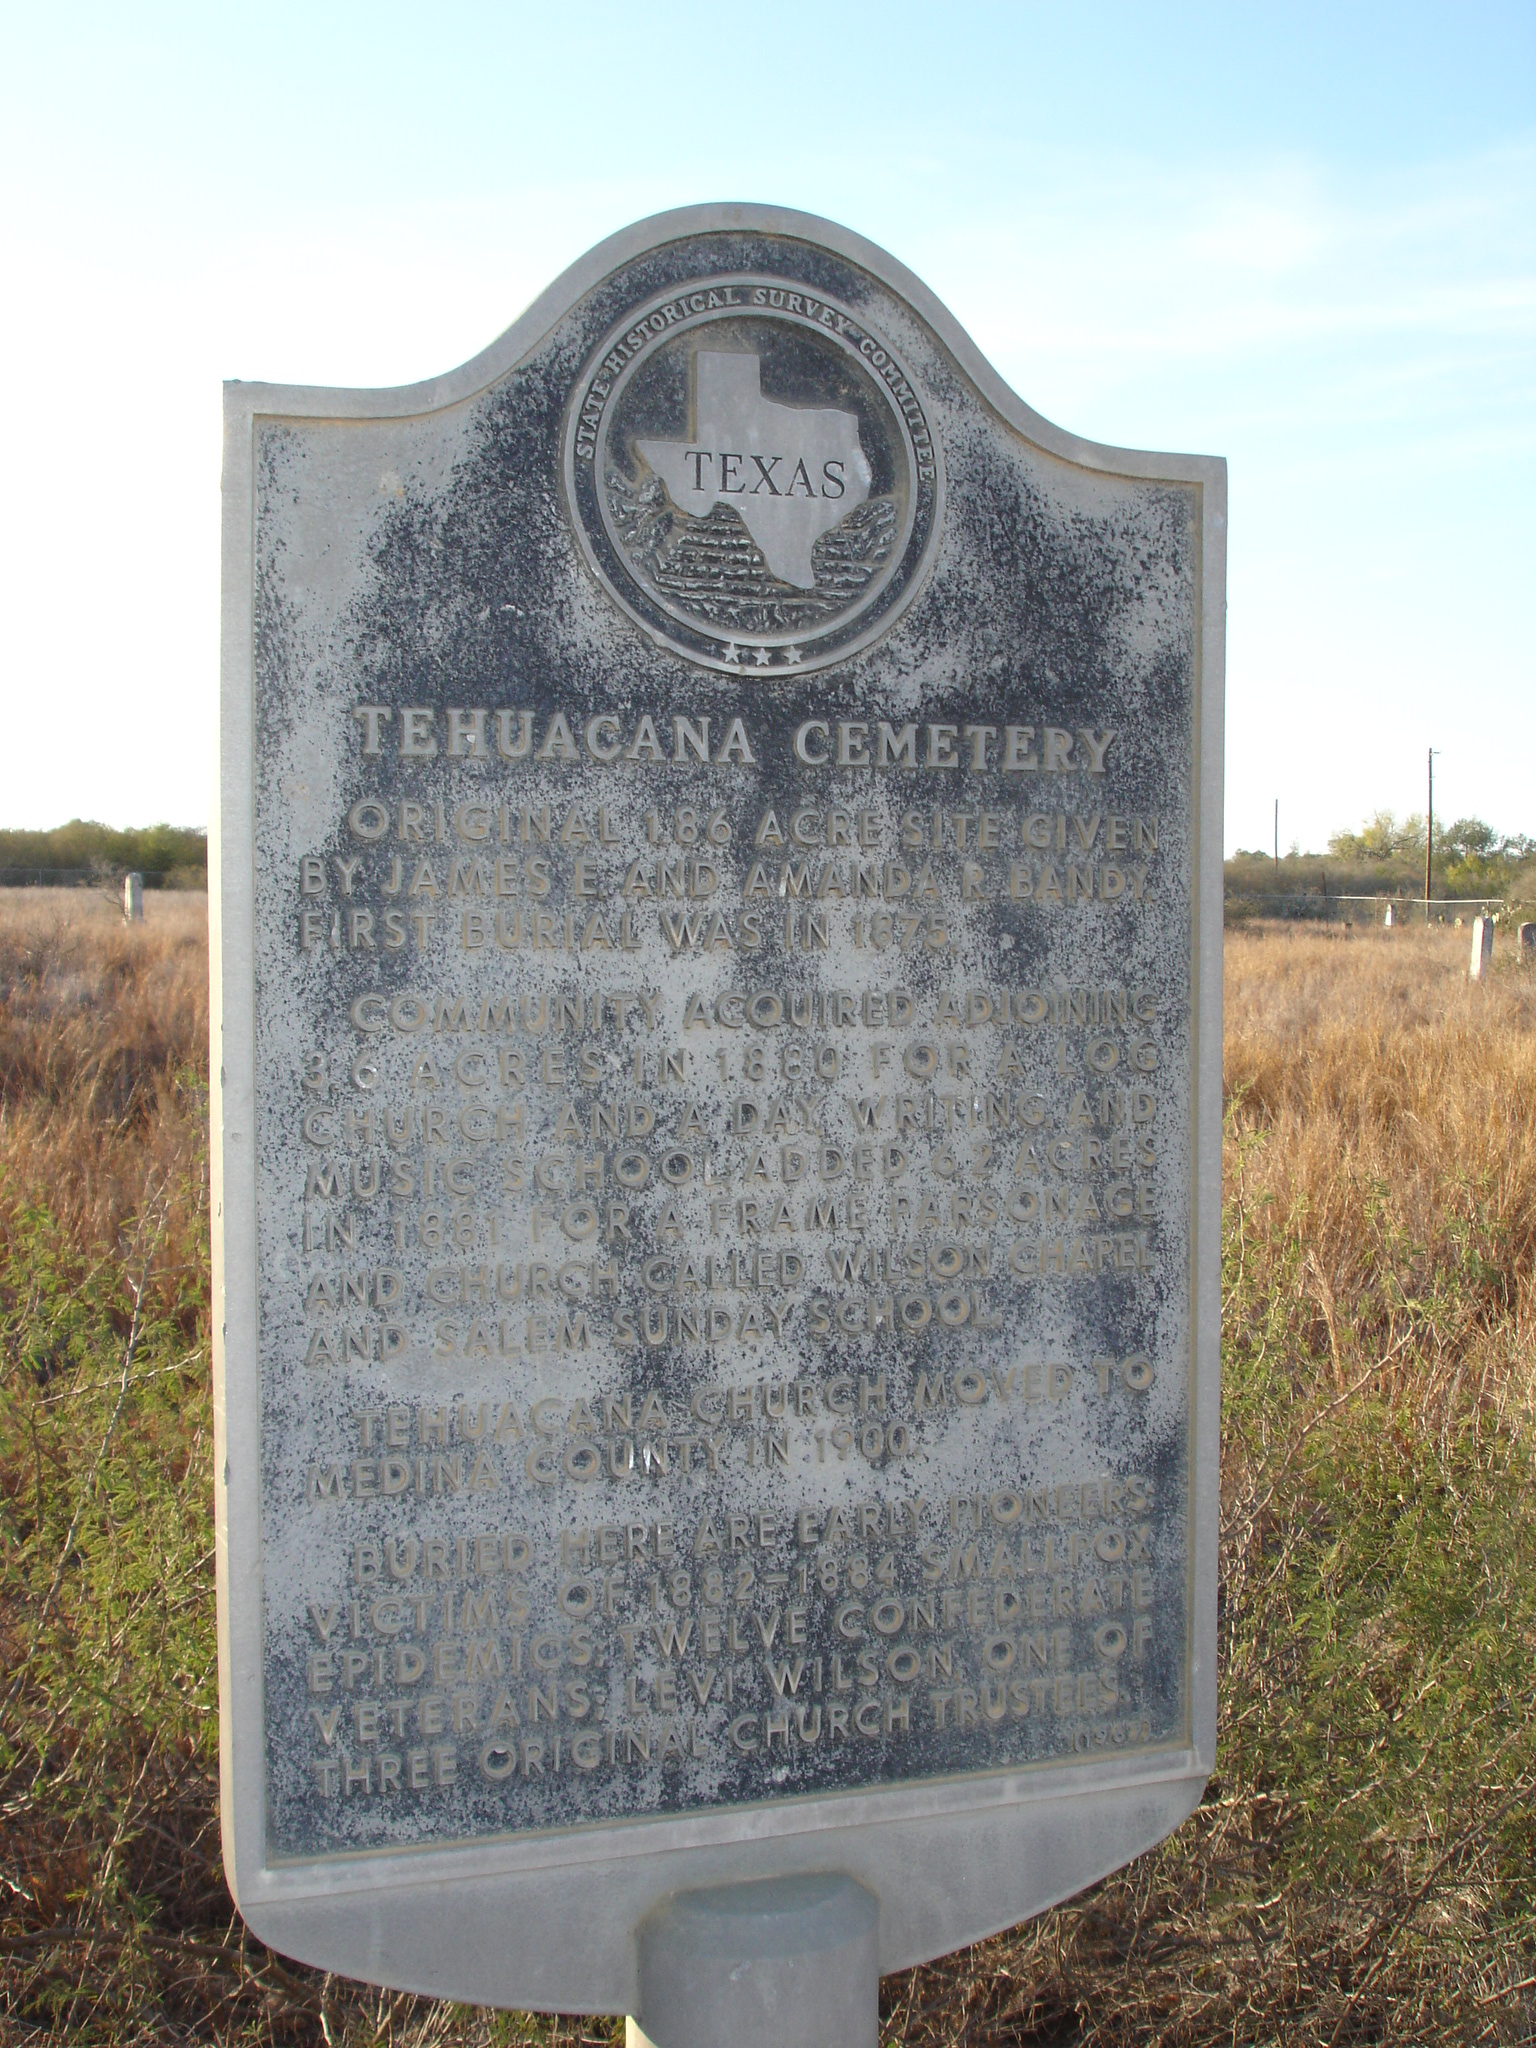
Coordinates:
x,y
1482,948
717,970
133,899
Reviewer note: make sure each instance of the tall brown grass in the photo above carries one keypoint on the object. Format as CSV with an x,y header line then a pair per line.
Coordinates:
x,y
1387,1105
1364,1865
103,1053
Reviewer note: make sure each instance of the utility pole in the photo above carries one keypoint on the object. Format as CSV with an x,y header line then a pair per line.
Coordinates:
x,y
1277,842
1429,837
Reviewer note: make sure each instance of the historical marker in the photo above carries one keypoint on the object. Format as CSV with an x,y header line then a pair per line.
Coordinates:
x,y
718,976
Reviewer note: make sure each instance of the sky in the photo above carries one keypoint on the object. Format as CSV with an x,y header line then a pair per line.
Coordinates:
x,y
1303,238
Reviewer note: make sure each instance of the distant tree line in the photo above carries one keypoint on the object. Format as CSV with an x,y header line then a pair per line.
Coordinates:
x,y
1387,855
179,853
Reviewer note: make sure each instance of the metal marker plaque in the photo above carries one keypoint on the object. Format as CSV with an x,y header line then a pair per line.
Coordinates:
x,y
718,974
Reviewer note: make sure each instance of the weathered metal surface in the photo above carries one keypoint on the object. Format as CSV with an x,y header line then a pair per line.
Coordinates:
x,y
716,870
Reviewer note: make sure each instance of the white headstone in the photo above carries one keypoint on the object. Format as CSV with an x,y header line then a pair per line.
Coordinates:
x,y
133,899
1482,947
1387,920
718,979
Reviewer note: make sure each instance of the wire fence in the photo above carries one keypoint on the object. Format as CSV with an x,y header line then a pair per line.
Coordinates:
x,y
94,878
1325,907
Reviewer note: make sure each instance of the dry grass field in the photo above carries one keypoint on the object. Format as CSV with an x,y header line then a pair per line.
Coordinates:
x,y
1363,1868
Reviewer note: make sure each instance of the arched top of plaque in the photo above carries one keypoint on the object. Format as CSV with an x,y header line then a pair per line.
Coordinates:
x,y
753,461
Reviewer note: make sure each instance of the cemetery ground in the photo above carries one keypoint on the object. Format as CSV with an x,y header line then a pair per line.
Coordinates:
x,y
1363,1867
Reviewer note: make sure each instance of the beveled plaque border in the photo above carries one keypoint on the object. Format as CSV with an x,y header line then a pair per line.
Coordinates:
x,y
548,1921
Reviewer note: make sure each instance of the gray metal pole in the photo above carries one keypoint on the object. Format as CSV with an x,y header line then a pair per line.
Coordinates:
x,y
780,1963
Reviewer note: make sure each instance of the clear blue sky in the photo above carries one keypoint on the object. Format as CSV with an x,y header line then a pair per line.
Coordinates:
x,y
1302,237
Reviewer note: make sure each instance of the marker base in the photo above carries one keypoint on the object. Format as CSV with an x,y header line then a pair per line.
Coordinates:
x,y
780,1963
